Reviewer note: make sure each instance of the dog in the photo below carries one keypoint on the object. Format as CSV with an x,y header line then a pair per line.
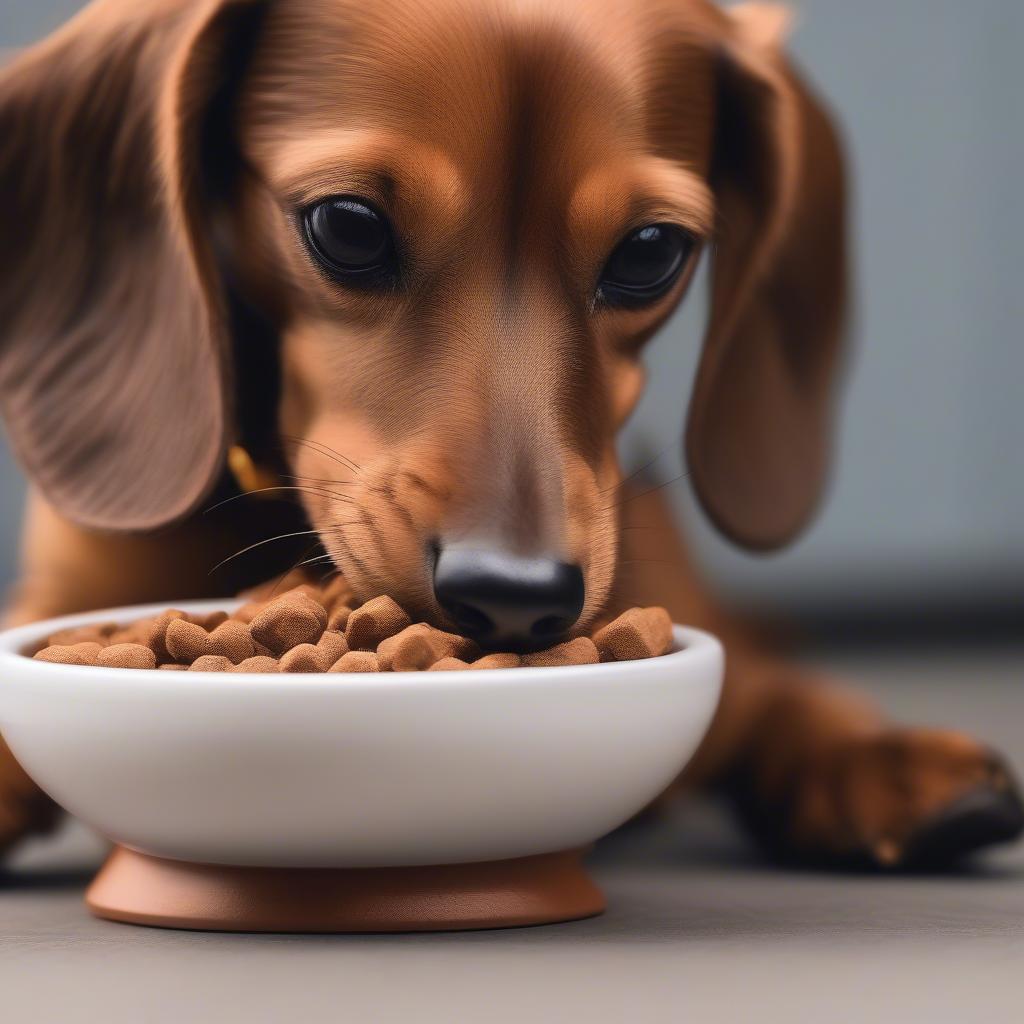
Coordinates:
x,y
408,261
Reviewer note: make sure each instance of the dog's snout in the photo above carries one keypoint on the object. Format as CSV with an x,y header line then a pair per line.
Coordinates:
x,y
505,600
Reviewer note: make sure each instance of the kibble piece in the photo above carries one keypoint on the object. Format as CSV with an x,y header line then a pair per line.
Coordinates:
x,y
155,634
635,634
449,665
303,658
373,622
356,661
580,651
126,656
211,663
171,666
417,647
331,647
84,653
503,660
293,619
233,640
451,645
407,651
258,663
186,641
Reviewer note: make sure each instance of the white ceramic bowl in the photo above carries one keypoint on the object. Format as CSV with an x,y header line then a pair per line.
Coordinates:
x,y
353,770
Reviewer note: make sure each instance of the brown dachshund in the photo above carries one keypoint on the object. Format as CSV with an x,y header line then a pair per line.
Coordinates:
x,y
410,259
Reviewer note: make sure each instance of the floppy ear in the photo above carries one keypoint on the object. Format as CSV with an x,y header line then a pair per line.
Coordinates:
x,y
757,437
113,344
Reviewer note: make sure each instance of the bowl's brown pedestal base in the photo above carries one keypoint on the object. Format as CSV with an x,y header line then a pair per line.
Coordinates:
x,y
140,889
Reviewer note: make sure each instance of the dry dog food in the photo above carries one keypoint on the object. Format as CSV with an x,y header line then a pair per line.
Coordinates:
x,y
321,629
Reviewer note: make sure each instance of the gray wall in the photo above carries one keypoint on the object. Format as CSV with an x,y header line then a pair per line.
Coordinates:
x,y
928,495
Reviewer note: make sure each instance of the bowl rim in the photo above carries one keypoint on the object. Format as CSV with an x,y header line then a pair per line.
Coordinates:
x,y
690,644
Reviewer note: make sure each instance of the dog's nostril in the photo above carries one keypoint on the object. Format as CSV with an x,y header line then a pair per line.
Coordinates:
x,y
505,600
469,619
550,626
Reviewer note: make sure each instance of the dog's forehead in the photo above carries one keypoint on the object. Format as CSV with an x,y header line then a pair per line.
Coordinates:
x,y
563,84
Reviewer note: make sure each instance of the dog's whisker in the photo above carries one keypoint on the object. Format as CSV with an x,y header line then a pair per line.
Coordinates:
x,y
325,450
260,543
313,561
319,480
643,494
637,472
321,492
261,490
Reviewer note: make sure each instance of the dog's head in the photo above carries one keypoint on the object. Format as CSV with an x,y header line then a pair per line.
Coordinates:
x,y
461,220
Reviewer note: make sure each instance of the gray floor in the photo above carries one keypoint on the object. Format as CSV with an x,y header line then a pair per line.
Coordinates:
x,y
696,930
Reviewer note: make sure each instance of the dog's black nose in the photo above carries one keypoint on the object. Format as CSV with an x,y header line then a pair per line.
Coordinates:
x,y
508,601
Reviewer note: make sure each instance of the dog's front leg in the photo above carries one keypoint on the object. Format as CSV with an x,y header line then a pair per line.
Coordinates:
x,y
817,772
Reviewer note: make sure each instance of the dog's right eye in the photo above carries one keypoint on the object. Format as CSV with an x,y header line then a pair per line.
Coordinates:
x,y
350,239
645,265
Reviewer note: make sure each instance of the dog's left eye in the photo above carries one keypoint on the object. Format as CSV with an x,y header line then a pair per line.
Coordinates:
x,y
645,265
349,238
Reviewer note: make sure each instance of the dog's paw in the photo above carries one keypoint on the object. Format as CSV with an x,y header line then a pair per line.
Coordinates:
x,y
904,798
